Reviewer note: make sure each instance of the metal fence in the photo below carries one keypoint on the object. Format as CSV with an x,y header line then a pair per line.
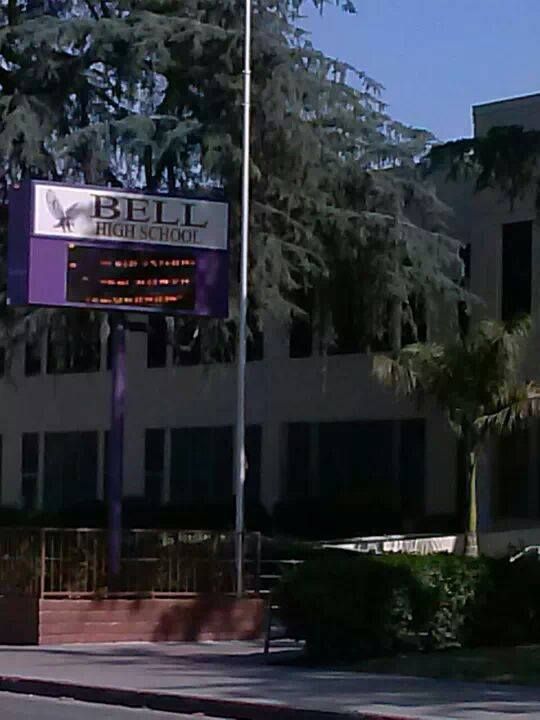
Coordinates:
x,y
154,563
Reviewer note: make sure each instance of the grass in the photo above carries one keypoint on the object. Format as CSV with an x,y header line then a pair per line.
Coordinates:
x,y
519,665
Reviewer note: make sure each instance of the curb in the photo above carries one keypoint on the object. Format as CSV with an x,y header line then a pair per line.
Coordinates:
x,y
167,702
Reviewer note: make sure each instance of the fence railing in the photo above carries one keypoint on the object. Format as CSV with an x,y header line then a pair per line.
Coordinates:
x,y
154,563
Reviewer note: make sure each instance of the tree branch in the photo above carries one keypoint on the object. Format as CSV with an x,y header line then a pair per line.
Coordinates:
x,y
92,9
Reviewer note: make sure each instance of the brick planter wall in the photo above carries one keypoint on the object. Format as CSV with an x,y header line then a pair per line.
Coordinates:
x,y
19,620
200,617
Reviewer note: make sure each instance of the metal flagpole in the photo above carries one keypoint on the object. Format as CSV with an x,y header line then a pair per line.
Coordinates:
x,y
239,447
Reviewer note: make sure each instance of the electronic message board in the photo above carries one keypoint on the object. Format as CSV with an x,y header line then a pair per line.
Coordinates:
x,y
79,246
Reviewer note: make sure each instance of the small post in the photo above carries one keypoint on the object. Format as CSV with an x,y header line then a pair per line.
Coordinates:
x,y
116,448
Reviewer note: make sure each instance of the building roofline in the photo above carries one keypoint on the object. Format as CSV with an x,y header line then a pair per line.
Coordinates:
x,y
494,103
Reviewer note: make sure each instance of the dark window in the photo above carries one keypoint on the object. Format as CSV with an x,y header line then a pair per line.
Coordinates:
x,y
74,343
156,353
513,475
154,465
301,331
70,477
253,455
516,271
347,321
222,348
214,343
366,460
201,464
412,467
301,338
32,357
219,343
351,312
187,342
298,468
29,470
356,457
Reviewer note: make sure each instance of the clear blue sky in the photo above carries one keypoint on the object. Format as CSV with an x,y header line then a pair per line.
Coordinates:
x,y
436,58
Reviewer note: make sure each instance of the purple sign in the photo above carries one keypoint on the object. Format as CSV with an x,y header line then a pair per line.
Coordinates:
x,y
87,247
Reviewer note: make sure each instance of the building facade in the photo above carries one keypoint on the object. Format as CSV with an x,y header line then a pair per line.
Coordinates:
x,y
317,426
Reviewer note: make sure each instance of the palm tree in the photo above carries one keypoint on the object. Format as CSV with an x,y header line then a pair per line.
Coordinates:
x,y
475,381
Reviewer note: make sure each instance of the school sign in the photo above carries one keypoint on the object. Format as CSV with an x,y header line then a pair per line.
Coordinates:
x,y
110,249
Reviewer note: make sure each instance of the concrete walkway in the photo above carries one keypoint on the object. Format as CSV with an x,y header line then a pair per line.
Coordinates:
x,y
236,675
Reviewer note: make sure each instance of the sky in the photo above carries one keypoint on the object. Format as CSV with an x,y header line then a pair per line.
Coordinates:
x,y
437,58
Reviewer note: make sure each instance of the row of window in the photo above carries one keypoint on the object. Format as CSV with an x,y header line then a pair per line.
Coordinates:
x,y
368,459
74,346
321,459
201,465
516,295
197,466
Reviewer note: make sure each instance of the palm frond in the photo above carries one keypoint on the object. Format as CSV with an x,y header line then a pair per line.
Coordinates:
x,y
517,404
476,382
412,370
392,373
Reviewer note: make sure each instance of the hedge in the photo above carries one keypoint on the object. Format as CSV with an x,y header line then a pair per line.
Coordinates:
x,y
348,606
138,513
350,515
316,518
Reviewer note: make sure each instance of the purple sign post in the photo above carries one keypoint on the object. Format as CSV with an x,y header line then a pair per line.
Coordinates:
x,y
106,249
116,448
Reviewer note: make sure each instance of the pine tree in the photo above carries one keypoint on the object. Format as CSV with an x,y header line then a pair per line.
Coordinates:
x,y
147,93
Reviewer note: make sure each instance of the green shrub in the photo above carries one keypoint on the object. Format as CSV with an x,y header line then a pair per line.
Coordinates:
x,y
507,610
349,606
138,513
345,516
346,607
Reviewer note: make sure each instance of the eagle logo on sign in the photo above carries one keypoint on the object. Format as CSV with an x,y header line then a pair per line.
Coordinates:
x,y
65,218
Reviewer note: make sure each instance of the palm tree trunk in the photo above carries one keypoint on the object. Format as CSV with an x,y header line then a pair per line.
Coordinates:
x,y
471,529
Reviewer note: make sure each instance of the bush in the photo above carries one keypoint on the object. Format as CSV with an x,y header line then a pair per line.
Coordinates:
x,y
347,606
12,516
437,525
320,518
203,516
137,513
507,611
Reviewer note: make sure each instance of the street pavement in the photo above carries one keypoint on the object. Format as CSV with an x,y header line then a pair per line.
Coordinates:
x,y
23,707
238,673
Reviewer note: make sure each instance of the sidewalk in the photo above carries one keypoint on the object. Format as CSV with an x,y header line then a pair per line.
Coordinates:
x,y
233,680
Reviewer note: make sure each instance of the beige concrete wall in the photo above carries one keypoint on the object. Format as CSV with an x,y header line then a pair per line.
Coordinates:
x,y
522,111
279,391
